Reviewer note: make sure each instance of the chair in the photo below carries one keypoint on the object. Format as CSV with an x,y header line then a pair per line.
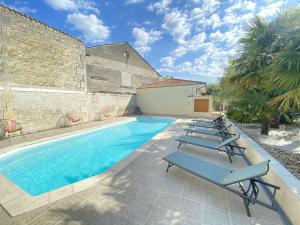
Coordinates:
x,y
72,118
224,177
228,146
10,126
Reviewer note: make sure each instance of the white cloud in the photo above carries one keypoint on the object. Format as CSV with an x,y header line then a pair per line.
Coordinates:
x,y
215,21
193,44
133,1
177,25
144,39
184,67
243,5
62,4
206,16
167,62
270,9
73,5
216,36
160,6
91,26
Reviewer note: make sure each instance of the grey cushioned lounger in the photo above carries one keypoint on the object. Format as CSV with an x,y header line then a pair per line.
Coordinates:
x,y
217,125
211,121
224,177
227,145
213,132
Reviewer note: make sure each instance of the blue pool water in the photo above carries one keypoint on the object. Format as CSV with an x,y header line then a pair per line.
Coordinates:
x,y
41,168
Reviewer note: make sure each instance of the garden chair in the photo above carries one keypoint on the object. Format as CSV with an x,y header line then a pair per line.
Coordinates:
x,y
10,126
246,178
72,118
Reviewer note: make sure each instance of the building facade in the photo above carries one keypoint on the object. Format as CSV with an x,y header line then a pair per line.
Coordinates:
x,y
117,68
44,74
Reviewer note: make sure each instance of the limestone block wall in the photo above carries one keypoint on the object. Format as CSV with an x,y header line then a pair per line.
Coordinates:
x,y
40,109
35,54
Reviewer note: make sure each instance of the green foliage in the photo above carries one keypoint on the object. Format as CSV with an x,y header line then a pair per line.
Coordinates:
x,y
266,74
166,77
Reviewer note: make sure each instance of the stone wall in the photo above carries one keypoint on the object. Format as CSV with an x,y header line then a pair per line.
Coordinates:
x,y
35,54
41,109
109,70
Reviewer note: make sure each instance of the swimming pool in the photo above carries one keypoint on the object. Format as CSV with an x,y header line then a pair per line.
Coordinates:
x,y
44,167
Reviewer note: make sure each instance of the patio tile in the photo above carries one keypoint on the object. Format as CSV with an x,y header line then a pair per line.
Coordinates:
x,y
160,216
49,218
137,211
32,215
3,215
68,203
236,205
238,219
190,209
148,194
193,189
12,221
261,213
111,218
215,199
215,216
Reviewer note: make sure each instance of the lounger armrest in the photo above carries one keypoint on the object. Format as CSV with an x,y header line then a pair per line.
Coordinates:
x,y
247,173
228,141
218,118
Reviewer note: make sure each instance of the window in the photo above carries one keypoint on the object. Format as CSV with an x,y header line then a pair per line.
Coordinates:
x,y
126,79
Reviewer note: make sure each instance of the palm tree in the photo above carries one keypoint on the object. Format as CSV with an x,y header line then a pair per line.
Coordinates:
x,y
269,63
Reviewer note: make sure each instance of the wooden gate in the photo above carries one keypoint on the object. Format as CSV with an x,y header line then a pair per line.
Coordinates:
x,y
201,105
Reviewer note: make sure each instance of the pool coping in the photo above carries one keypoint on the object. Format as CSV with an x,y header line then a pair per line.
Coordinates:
x,y
16,201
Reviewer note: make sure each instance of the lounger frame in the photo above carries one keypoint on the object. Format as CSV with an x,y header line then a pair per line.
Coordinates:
x,y
249,194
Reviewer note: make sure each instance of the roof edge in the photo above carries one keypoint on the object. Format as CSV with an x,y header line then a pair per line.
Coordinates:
x,y
141,87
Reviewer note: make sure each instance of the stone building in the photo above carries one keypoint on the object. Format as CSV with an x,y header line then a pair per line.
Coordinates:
x,y
117,68
43,74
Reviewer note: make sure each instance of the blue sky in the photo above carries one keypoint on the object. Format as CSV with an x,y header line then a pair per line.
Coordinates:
x,y
186,39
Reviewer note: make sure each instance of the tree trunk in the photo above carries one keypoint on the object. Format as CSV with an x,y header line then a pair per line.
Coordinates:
x,y
264,129
275,121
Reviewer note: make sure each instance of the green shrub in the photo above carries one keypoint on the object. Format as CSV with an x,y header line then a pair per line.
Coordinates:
x,y
242,116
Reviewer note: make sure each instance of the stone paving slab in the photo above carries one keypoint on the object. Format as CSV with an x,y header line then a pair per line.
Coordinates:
x,y
142,193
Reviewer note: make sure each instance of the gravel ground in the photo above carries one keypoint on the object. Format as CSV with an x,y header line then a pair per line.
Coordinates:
x,y
282,144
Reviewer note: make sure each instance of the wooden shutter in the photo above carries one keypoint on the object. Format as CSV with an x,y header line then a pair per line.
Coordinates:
x,y
201,105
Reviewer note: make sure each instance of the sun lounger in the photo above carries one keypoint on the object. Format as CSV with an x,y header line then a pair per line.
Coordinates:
x,y
228,146
218,125
219,118
224,177
223,133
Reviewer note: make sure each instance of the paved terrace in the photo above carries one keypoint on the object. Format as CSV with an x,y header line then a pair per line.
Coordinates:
x,y
143,193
